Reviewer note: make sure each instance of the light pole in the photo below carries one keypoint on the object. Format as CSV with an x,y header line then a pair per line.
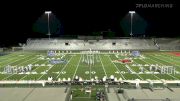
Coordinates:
x,y
48,12
131,12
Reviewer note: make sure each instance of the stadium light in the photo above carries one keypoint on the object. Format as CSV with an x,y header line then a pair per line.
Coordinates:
x,y
131,12
48,13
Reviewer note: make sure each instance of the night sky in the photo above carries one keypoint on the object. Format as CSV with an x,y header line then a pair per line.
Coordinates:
x,y
84,17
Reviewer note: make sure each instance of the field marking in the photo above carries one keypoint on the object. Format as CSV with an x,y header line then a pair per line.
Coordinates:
x,y
77,67
162,60
64,67
48,70
15,61
102,64
10,55
172,57
127,68
26,61
89,68
8,58
162,64
168,61
38,68
34,69
148,70
18,64
45,74
116,67
134,71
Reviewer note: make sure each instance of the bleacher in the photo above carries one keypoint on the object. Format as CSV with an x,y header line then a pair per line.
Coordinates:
x,y
77,44
168,43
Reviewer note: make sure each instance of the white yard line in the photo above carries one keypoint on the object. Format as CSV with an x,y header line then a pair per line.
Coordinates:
x,y
133,71
10,55
38,68
44,74
64,67
17,65
26,60
169,56
15,61
89,72
148,70
116,68
168,61
34,69
89,68
102,65
77,67
9,58
162,64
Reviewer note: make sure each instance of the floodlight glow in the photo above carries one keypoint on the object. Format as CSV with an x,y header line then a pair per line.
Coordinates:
x,y
48,12
132,12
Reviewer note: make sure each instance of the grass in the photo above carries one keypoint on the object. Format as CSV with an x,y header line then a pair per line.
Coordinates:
x,y
103,66
80,95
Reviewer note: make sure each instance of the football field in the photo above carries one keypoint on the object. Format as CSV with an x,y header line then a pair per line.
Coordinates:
x,y
91,66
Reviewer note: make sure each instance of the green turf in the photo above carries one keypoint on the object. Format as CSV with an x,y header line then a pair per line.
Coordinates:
x,y
80,95
103,66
